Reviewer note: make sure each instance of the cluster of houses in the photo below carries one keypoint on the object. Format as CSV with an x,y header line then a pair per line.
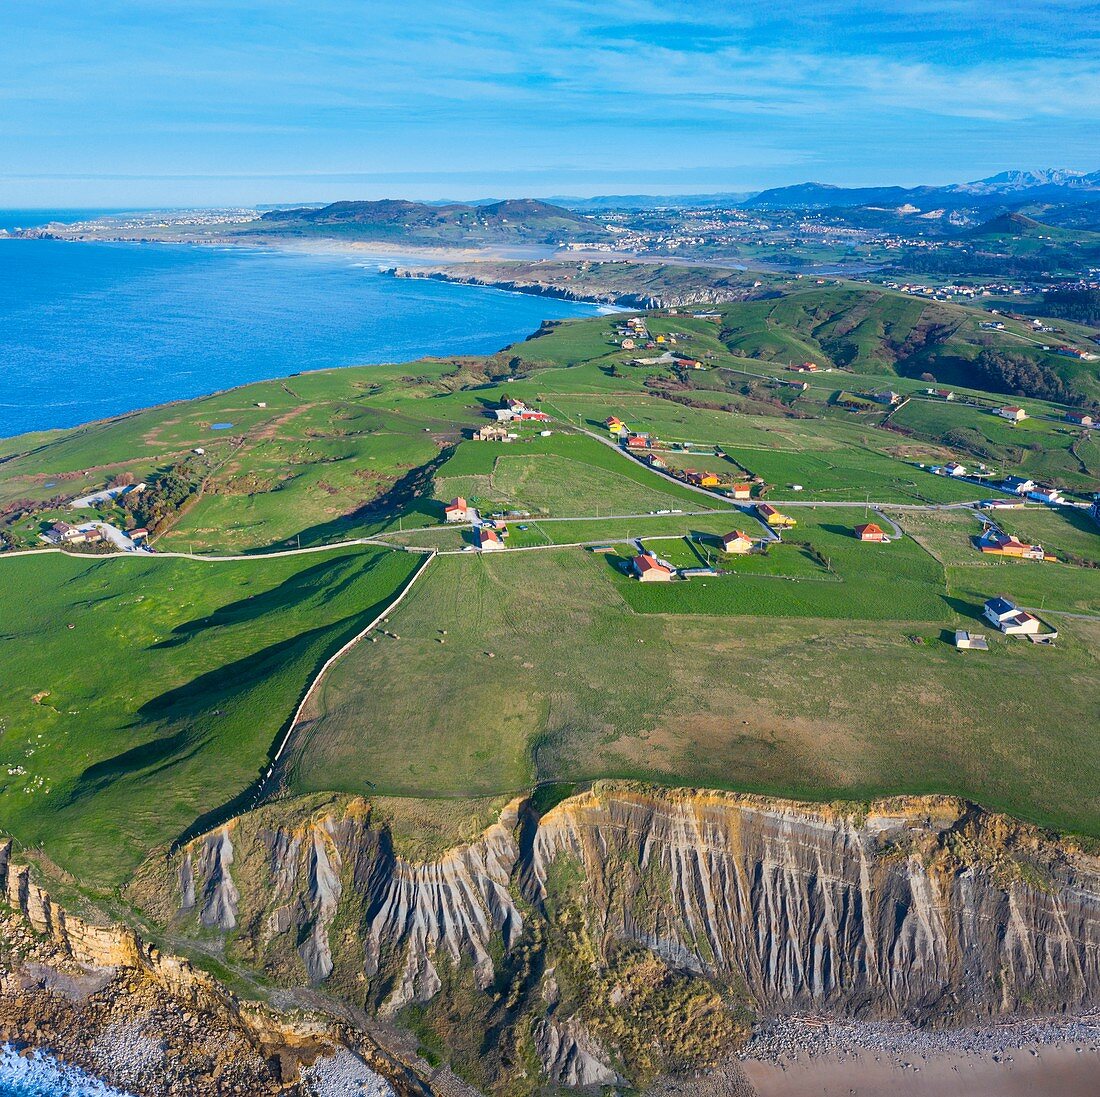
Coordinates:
x,y
513,410
995,542
510,410
647,567
808,367
632,332
1012,485
94,533
1029,489
61,533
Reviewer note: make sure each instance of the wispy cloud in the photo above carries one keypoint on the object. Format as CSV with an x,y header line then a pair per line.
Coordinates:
x,y
275,87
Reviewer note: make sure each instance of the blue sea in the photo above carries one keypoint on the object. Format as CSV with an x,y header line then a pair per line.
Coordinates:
x,y
42,1076
90,330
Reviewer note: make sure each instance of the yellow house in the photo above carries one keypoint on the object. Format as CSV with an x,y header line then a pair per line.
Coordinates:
x,y
701,479
774,517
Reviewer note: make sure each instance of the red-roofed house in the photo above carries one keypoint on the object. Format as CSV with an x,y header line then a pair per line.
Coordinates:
x,y
456,510
870,532
741,491
649,569
488,539
737,543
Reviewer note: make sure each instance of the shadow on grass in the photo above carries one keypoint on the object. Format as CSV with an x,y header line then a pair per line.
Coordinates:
x,y
322,582
414,489
222,700
965,609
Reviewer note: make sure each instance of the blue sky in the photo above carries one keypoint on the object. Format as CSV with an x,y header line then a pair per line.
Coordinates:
x,y
171,102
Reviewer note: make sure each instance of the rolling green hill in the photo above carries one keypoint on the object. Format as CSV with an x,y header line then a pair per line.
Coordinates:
x,y
510,221
882,333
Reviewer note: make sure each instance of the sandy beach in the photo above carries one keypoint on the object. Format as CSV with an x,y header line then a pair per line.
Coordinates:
x,y
1059,1071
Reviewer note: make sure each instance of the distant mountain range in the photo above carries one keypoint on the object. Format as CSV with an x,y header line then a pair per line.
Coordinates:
x,y
1008,188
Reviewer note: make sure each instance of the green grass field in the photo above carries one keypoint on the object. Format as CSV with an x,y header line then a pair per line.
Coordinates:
x,y
142,693
819,668
547,672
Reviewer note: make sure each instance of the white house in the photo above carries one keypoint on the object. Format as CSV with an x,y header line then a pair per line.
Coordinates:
x,y
1011,413
1009,618
1046,495
1018,485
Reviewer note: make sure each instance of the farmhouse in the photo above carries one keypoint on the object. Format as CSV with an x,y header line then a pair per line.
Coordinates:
x,y
870,532
773,517
456,510
805,367
1012,413
1018,485
1081,418
1009,618
68,535
639,441
488,539
953,468
649,569
940,394
615,425
888,397
1042,494
701,479
741,491
996,543
737,543
655,462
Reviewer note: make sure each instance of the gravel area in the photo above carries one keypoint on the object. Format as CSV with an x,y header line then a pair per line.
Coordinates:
x,y
344,1075
788,1039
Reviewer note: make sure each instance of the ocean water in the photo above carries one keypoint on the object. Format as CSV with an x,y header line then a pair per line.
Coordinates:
x,y
42,1076
91,330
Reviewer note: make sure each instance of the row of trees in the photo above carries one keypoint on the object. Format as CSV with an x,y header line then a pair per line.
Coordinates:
x,y
1019,375
1078,303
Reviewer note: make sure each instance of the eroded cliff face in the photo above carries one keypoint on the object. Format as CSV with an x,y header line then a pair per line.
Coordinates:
x,y
927,909
96,994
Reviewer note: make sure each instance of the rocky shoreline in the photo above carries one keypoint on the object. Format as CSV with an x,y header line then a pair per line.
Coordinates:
x,y
792,1038
97,997
710,286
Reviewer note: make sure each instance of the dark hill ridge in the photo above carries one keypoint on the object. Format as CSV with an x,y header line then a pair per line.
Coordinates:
x,y
518,220
1008,189
1011,224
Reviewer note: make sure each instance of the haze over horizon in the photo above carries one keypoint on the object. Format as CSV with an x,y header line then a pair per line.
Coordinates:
x,y
135,103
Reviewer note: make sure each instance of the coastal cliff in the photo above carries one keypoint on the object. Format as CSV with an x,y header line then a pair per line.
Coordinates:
x,y
579,938
96,995
621,284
